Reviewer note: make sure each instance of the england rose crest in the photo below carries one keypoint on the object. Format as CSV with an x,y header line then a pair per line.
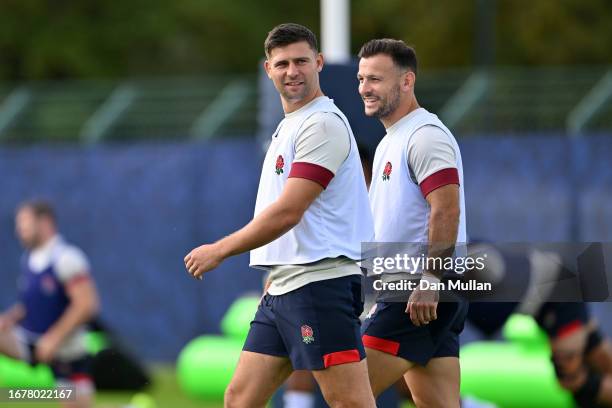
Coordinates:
x,y
387,171
307,334
280,163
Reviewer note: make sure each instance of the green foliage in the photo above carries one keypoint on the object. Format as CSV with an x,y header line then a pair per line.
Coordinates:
x,y
97,38
555,32
441,31
70,38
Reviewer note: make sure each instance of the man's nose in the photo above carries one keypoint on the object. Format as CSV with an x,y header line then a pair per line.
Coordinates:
x,y
292,70
364,88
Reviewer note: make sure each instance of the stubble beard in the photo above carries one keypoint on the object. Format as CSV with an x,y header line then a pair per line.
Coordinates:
x,y
388,105
296,97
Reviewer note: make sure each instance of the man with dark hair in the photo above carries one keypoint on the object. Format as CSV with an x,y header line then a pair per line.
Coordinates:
x,y
311,215
402,55
417,200
286,34
56,298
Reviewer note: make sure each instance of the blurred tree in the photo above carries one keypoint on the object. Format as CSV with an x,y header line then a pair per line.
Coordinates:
x,y
554,32
441,31
97,38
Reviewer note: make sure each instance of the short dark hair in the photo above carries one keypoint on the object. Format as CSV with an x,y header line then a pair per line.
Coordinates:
x,y
289,33
402,55
40,208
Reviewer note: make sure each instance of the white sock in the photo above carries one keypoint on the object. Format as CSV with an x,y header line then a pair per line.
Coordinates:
x,y
298,399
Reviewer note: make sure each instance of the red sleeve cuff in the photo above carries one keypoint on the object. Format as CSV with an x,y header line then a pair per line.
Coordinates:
x,y
310,171
439,179
82,277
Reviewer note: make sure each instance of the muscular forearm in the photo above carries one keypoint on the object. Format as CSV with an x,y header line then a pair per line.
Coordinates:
x,y
443,226
74,316
270,224
274,221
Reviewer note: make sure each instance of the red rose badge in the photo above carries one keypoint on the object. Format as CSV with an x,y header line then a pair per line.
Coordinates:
x,y
307,334
280,163
387,171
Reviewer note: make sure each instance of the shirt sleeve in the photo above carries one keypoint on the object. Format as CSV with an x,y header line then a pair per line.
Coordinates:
x,y
431,157
320,148
72,265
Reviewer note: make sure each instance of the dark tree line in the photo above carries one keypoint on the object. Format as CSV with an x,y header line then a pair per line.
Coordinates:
x,y
42,39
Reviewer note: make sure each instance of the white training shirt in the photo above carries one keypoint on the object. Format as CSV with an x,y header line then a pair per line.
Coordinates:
x,y
315,142
417,155
70,261
324,141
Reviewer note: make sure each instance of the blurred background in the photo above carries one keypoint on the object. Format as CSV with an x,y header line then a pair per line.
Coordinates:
x,y
144,123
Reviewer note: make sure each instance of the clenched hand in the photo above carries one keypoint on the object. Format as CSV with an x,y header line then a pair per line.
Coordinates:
x,y
422,306
203,259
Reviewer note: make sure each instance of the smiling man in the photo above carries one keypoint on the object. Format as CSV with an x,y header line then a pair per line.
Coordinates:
x,y
311,215
417,199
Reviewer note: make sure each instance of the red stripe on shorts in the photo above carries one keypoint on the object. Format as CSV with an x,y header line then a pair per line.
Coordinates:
x,y
341,357
376,343
76,378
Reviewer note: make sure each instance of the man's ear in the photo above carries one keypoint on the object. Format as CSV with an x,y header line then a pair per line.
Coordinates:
x,y
320,62
408,80
267,68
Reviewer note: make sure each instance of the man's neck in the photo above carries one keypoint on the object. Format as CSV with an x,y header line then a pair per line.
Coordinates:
x,y
404,109
289,107
44,242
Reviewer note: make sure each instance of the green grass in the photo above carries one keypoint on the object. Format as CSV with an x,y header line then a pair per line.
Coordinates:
x,y
165,392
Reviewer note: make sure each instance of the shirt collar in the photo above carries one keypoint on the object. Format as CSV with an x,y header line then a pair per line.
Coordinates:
x,y
404,119
303,108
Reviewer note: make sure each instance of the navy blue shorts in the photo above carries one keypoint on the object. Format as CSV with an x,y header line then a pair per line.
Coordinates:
x,y
389,329
315,326
78,369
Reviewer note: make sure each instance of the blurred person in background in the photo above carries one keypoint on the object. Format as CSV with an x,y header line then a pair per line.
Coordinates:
x,y
311,215
581,352
57,297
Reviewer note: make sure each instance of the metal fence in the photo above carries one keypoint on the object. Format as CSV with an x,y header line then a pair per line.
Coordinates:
x,y
573,100
91,111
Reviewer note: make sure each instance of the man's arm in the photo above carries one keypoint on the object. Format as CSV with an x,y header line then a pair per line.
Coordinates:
x,y
321,147
443,223
432,158
84,305
443,226
285,213
12,316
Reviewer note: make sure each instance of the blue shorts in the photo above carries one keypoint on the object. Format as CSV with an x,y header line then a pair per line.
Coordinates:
x,y
75,370
389,329
315,326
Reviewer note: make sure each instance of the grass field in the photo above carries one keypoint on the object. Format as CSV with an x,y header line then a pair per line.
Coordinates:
x,y
165,392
